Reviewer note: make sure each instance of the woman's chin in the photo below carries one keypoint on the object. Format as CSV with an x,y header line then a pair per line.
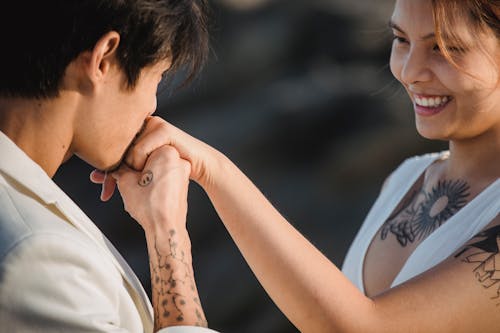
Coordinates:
x,y
431,132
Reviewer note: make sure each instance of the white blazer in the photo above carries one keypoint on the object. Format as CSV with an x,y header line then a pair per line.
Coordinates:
x,y
58,272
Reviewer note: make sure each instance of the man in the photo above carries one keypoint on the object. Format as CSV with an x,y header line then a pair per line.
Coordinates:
x,y
80,78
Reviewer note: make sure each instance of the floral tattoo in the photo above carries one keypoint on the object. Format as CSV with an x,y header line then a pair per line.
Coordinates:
x,y
169,273
424,212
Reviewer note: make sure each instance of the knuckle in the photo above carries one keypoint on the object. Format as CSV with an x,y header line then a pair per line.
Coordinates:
x,y
165,155
137,149
136,154
156,123
169,152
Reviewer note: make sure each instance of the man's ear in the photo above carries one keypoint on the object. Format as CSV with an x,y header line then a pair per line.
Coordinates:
x,y
102,57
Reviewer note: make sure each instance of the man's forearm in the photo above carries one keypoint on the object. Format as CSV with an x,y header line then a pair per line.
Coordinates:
x,y
174,294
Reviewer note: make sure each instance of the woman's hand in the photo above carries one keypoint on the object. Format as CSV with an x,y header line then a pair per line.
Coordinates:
x,y
157,133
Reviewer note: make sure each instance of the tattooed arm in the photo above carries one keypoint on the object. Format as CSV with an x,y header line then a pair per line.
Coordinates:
x,y
483,256
174,294
157,199
310,290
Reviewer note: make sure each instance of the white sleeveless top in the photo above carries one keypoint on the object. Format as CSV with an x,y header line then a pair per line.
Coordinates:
x,y
439,245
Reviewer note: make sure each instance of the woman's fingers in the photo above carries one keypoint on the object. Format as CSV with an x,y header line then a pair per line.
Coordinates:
x,y
154,136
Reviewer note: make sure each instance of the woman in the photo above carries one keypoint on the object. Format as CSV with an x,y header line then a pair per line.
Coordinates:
x,y
427,257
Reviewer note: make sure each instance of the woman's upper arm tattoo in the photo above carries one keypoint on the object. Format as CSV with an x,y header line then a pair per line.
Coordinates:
x,y
484,255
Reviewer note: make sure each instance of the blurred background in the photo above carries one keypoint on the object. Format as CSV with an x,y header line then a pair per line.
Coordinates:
x,y
299,95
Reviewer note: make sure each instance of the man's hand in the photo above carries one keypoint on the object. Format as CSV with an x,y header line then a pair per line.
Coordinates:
x,y
108,183
156,197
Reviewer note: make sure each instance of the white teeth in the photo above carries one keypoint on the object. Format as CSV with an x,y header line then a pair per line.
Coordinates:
x,y
432,102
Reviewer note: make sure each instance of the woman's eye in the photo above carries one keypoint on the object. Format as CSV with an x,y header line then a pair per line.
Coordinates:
x,y
400,39
451,49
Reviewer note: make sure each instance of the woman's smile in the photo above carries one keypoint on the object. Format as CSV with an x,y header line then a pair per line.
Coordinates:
x,y
429,105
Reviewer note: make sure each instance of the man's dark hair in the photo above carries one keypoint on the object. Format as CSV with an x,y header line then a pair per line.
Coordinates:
x,y
41,37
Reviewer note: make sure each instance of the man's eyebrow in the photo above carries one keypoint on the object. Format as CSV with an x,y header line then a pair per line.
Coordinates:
x,y
394,26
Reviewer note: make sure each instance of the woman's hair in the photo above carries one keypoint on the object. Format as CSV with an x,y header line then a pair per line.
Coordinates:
x,y
41,37
480,16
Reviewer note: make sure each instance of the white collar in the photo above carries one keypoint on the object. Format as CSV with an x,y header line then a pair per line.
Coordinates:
x,y
25,171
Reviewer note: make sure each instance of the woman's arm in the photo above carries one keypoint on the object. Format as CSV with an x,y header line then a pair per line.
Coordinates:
x,y
306,286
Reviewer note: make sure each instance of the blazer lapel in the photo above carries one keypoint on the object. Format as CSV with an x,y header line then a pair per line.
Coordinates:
x,y
83,223
17,165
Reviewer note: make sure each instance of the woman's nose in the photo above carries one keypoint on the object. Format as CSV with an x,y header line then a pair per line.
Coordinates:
x,y
416,67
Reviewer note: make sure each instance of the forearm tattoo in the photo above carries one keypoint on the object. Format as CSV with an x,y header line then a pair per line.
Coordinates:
x,y
173,286
423,212
484,254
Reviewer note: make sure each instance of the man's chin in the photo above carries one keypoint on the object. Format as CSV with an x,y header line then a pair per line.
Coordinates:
x,y
116,166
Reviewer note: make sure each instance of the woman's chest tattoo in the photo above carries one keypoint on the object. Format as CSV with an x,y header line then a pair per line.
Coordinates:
x,y
425,210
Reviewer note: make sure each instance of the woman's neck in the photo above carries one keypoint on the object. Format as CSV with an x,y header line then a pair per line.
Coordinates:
x,y
475,159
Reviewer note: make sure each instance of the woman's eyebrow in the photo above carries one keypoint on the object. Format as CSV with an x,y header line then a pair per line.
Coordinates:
x,y
394,26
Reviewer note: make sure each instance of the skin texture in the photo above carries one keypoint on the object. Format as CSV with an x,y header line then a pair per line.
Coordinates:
x,y
97,117
454,296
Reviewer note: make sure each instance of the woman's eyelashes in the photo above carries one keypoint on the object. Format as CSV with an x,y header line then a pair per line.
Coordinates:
x,y
399,39
435,47
450,49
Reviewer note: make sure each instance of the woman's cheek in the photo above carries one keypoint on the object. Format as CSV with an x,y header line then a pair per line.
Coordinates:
x,y
396,64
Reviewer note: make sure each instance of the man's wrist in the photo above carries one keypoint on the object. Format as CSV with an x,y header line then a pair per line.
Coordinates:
x,y
162,237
